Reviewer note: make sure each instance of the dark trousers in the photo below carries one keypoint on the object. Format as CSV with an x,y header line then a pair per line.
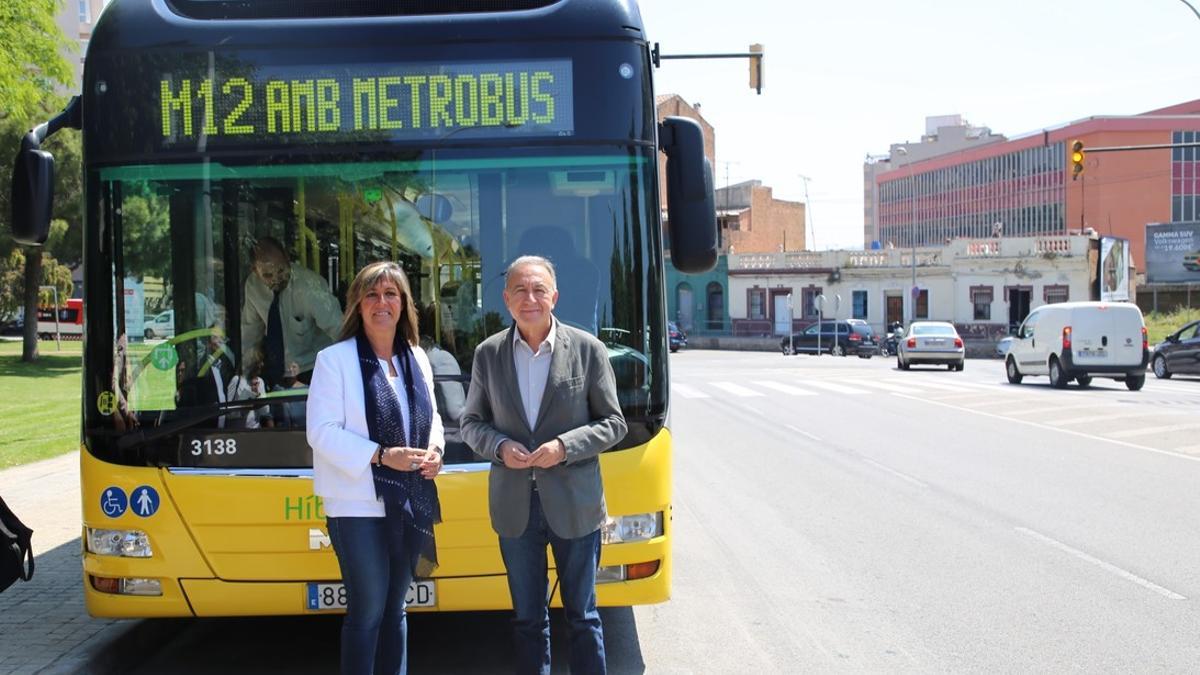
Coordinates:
x,y
375,630
576,561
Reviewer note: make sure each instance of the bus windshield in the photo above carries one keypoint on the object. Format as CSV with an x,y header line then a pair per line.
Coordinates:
x,y
207,255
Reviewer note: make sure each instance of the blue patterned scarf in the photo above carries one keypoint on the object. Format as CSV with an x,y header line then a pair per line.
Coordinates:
x,y
412,533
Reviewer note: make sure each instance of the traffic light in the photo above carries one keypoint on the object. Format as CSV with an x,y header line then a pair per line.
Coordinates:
x,y
1076,159
756,67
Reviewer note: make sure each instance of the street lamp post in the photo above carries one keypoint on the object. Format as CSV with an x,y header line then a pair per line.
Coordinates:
x,y
912,240
819,301
791,323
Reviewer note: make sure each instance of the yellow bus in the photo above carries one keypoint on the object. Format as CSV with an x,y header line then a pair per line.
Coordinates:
x,y
449,137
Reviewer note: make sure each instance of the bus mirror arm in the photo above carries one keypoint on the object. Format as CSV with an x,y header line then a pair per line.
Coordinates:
x,y
691,216
141,437
33,178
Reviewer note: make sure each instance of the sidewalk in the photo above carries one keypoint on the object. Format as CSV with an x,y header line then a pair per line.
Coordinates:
x,y
43,622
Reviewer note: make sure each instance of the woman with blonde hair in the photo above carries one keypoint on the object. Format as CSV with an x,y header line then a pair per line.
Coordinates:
x,y
377,444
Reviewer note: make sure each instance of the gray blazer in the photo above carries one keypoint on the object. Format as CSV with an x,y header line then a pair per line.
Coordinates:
x,y
579,407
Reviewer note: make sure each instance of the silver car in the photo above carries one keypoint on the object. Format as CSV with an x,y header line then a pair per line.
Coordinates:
x,y
935,342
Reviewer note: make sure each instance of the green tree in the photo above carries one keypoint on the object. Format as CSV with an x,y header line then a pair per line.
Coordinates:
x,y
145,221
33,69
12,283
32,65
12,276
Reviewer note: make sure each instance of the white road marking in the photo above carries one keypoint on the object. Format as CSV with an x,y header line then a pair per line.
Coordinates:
x,y
1147,431
1188,448
785,388
1057,408
898,388
1060,430
687,392
1104,418
831,386
1107,567
803,433
944,387
989,397
902,476
736,389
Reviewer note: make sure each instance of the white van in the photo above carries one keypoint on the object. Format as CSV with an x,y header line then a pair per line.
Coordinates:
x,y
1078,340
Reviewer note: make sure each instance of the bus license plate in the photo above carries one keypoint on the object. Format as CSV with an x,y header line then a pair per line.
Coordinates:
x,y
323,597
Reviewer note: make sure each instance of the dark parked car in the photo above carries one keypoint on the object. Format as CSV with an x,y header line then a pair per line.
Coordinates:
x,y
1179,353
676,338
840,338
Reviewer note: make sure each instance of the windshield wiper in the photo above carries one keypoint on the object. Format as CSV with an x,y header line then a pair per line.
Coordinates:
x,y
141,437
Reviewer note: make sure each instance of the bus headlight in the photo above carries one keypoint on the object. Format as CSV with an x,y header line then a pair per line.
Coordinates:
x,y
120,543
636,527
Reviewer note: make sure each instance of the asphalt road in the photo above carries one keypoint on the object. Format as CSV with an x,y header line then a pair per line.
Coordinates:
x,y
837,514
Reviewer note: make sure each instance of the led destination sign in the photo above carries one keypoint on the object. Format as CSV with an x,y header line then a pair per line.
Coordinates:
x,y
372,102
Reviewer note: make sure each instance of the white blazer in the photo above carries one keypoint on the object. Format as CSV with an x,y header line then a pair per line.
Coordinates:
x,y
337,431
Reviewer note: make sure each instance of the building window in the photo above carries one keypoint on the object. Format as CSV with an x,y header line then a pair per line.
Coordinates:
x,y
1052,294
757,303
981,299
860,304
808,301
1185,178
85,11
923,304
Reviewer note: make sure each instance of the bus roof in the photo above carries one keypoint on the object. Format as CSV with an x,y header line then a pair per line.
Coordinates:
x,y
185,25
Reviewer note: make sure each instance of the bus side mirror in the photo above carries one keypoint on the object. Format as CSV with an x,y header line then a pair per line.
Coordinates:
x,y
32,196
691,216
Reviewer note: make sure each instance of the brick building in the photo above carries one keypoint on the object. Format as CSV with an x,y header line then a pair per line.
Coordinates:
x,y
1023,187
673,105
751,220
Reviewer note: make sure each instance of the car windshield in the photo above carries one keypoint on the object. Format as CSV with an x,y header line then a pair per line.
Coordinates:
x,y
934,329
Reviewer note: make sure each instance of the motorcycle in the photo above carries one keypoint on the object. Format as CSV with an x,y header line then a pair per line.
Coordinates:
x,y
889,345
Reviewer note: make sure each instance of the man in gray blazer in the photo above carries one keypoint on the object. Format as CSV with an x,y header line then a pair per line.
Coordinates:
x,y
541,407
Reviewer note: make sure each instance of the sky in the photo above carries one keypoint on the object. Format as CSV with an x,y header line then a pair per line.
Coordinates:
x,y
847,79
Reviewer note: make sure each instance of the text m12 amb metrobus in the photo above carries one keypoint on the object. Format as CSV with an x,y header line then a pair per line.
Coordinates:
x,y
528,97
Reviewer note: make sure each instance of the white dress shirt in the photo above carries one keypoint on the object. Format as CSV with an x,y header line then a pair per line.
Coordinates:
x,y
310,314
533,371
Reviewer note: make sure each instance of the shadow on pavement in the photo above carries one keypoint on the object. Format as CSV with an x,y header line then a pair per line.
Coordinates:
x,y
467,643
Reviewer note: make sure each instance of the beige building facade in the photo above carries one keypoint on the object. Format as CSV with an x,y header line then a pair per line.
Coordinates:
x,y
76,19
981,286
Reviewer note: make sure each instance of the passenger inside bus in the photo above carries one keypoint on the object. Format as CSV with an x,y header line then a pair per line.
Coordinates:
x,y
289,315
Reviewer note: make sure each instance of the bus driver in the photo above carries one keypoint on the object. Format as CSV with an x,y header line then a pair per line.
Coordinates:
x,y
289,315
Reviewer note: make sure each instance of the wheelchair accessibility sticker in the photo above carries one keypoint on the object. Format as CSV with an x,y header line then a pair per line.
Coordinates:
x,y
113,502
145,501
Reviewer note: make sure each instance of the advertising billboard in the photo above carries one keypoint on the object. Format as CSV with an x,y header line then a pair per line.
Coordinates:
x,y
1173,253
1114,269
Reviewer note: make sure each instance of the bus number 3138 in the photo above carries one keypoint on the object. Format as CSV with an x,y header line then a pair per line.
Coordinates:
x,y
214,446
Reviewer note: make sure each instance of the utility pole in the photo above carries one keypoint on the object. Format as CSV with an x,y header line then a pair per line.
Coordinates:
x,y
808,220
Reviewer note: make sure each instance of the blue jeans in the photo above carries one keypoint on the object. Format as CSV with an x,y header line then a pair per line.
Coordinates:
x,y
375,630
576,561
